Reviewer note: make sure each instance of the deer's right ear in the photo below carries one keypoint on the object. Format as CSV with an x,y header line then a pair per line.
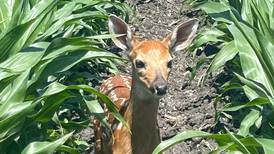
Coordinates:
x,y
119,27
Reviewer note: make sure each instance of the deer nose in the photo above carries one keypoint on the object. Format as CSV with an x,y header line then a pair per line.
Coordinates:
x,y
161,89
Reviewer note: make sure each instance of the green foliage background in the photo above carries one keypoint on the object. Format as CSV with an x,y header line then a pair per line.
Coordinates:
x,y
52,56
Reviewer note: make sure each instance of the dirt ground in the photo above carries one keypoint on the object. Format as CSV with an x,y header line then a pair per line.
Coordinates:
x,y
186,106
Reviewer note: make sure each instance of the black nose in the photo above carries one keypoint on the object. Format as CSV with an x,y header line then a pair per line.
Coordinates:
x,y
160,89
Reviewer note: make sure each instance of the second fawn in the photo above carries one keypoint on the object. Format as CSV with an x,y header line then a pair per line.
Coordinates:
x,y
137,96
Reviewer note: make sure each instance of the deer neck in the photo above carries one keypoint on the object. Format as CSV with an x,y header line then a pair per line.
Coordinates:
x,y
143,123
144,110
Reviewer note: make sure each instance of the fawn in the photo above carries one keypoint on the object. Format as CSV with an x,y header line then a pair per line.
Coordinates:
x,y
137,96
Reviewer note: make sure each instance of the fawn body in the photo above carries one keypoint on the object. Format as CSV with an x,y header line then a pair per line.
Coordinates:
x,y
137,96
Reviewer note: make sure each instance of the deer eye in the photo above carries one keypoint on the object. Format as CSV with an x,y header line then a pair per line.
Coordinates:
x,y
139,64
169,64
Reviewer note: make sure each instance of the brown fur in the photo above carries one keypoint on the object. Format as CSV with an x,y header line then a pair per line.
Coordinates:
x,y
156,55
137,97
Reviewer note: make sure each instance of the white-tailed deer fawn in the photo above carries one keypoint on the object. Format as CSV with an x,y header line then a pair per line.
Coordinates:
x,y
137,96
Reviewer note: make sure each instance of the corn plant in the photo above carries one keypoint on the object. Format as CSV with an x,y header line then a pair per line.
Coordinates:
x,y
52,56
243,29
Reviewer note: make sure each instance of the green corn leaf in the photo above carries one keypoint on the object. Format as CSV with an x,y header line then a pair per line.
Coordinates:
x,y
8,41
262,19
24,34
227,142
45,147
267,145
59,23
62,46
208,36
248,121
9,14
251,93
241,146
218,11
40,9
20,62
246,12
256,87
254,102
68,149
52,103
178,138
222,139
225,54
55,88
64,63
33,53
12,120
40,13
267,47
5,14
25,60
253,65
17,91
96,109
65,11
222,149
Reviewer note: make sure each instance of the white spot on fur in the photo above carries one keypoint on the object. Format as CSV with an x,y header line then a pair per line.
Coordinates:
x,y
126,81
110,86
119,127
113,96
123,101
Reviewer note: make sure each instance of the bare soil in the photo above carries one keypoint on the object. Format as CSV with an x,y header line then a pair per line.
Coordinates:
x,y
186,106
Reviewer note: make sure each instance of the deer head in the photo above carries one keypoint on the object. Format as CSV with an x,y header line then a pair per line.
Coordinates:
x,y
152,59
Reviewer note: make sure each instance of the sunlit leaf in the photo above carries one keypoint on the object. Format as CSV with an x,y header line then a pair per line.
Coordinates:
x,y
45,147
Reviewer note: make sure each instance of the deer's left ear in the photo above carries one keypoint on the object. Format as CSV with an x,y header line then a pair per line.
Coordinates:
x,y
182,35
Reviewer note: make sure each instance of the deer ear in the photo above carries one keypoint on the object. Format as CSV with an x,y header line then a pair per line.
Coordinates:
x,y
118,26
182,35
